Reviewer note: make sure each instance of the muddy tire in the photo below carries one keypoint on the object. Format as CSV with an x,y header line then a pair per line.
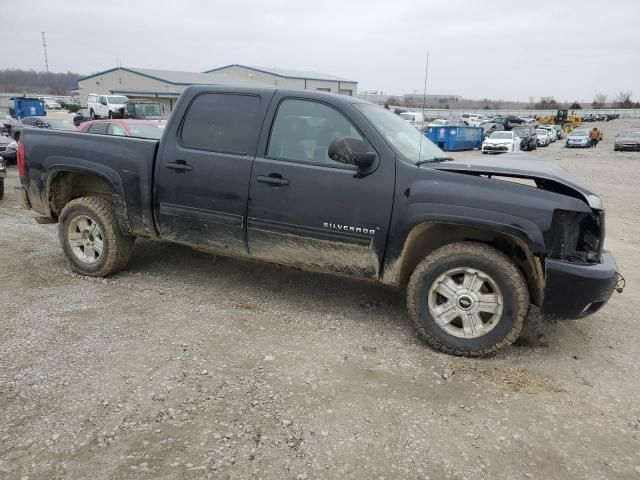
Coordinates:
x,y
468,299
91,238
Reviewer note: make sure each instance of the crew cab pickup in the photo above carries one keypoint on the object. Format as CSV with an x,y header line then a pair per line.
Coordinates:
x,y
335,184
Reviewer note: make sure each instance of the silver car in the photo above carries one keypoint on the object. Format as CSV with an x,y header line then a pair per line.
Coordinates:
x,y
627,141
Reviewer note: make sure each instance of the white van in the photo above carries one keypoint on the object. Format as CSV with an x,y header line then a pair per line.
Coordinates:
x,y
106,106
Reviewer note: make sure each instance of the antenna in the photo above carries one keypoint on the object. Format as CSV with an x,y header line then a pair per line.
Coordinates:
x,y
424,104
44,46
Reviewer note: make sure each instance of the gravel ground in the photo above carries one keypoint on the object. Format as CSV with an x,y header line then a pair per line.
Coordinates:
x,y
190,365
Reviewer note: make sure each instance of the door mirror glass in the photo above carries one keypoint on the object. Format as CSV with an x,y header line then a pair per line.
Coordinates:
x,y
351,151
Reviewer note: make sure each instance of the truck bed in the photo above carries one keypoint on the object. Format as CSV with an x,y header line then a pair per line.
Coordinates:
x,y
125,163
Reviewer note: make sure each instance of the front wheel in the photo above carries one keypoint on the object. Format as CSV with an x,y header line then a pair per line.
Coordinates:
x,y
110,114
92,114
1,188
468,299
91,238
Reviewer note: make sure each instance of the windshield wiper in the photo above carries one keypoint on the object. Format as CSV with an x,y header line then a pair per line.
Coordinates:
x,y
434,160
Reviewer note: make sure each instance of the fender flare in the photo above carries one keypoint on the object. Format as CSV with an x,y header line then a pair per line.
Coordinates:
x,y
523,233
55,165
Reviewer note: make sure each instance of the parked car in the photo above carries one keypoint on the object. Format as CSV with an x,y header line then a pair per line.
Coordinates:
x,y
490,127
559,132
528,137
472,119
7,123
552,132
3,175
332,183
8,148
501,142
512,121
439,123
81,116
543,137
51,104
125,128
106,106
579,138
625,141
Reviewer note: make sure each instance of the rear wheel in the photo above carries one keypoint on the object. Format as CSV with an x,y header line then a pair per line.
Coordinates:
x,y
91,238
110,114
468,299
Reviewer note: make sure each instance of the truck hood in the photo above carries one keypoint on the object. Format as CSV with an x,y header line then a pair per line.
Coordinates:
x,y
498,141
548,175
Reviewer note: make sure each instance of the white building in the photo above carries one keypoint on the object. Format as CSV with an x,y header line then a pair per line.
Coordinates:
x,y
165,86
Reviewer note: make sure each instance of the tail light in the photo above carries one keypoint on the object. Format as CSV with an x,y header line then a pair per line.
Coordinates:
x,y
22,161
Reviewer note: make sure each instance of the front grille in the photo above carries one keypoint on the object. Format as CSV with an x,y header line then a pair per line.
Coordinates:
x,y
2,149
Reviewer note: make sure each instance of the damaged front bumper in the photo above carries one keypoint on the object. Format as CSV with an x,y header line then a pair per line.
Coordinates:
x,y
577,290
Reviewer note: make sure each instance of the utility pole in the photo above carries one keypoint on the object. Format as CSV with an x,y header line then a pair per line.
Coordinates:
x,y
44,45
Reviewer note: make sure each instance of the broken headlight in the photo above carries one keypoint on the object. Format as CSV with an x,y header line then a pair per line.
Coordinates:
x,y
576,237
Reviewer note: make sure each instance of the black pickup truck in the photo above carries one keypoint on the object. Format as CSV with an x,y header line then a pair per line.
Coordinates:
x,y
335,184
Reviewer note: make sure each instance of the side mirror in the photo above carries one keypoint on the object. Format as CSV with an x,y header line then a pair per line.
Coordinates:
x,y
351,151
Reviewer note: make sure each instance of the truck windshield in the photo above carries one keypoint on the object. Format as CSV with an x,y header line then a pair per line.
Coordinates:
x,y
116,100
405,139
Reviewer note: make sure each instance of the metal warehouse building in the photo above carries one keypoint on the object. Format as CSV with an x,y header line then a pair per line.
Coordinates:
x,y
294,79
165,86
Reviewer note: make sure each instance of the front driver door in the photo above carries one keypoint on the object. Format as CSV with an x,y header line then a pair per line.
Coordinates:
x,y
310,211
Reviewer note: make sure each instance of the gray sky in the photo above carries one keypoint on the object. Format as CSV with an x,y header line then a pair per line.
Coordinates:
x,y
479,48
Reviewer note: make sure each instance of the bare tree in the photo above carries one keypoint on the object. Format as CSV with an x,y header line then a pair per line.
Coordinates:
x,y
599,100
623,99
547,103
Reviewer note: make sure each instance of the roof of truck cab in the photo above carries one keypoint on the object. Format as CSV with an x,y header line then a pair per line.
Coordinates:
x,y
331,97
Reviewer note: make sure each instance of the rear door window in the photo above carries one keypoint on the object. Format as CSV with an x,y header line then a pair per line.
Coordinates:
x,y
117,130
222,123
98,128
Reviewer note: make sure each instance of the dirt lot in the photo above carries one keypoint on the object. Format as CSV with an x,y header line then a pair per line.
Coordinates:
x,y
189,365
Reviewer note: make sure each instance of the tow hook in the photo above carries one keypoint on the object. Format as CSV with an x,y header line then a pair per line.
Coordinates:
x,y
620,282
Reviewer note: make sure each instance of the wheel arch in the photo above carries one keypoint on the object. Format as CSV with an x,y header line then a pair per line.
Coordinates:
x,y
426,237
68,183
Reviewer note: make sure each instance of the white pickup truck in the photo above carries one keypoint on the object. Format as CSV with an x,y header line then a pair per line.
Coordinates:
x,y
106,106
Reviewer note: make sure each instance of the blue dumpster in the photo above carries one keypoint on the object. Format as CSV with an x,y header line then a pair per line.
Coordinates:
x,y
28,107
454,137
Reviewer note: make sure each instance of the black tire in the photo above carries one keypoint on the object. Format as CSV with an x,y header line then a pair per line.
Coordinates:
x,y
117,247
487,259
92,114
110,114
1,188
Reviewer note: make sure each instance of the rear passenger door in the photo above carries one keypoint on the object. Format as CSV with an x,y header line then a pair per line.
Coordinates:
x,y
203,170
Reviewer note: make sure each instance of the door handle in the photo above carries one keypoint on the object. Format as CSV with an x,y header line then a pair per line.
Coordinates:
x,y
274,179
179,165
